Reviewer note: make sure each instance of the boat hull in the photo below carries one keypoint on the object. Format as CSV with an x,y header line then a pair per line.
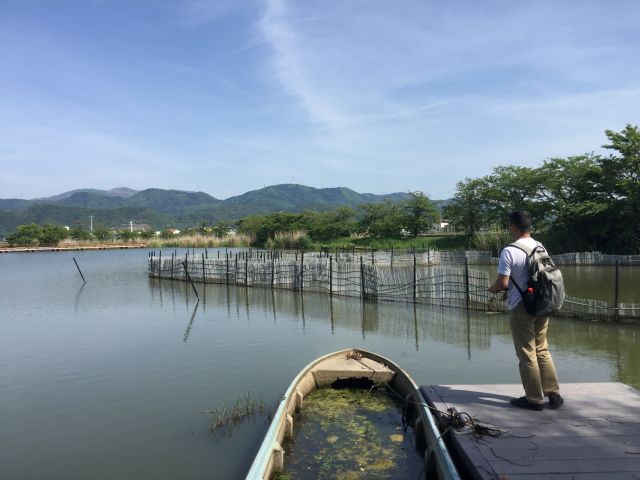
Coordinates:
x,y
346,365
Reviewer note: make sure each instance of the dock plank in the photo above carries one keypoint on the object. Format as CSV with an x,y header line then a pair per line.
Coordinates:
x,y
595,434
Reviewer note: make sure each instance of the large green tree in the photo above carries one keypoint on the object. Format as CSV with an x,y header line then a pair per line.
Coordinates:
x,y
382,220
621,174
26,235
468,209
420,213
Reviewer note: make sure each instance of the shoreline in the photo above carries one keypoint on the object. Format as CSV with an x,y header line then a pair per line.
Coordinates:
x,y
67,249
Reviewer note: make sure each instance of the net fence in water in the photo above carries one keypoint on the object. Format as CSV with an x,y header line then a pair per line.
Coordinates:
x,y
436,278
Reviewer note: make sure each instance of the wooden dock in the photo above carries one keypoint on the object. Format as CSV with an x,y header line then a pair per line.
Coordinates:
x,y
595,435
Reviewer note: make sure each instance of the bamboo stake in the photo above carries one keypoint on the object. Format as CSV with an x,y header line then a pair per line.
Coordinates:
x,y
80,271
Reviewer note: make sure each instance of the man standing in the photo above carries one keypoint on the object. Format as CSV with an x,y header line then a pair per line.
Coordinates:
x,y
537,371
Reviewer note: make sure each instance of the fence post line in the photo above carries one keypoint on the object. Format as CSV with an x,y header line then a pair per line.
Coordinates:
x,y
466,280
362,292
616,293
415,278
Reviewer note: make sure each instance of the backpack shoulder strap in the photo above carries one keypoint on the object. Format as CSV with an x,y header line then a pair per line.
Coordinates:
x,y
528,251
521,246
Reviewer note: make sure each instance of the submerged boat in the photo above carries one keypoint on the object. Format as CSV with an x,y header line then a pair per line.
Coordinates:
x,y
368,371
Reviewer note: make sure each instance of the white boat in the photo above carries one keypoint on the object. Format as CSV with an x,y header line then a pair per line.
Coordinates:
x,y
354,364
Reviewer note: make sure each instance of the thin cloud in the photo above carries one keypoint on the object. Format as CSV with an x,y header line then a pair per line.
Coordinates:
x,y
288,63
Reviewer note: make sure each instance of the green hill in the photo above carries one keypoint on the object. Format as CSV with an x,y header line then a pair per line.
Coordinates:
x,y
174,208
172,201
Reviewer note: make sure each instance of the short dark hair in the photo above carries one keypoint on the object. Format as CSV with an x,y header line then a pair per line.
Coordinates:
x,y
521,219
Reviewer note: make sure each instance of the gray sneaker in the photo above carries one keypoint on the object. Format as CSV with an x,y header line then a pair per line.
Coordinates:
x,y
555,400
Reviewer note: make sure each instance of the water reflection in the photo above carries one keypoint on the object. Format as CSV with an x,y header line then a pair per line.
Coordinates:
x,y
458,327
139,359
471,331
76,301
190,324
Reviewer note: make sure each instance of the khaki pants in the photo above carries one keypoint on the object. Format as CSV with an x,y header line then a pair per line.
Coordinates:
x,y
537,371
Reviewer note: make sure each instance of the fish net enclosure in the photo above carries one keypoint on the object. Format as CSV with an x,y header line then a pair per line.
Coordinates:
x,y
427,277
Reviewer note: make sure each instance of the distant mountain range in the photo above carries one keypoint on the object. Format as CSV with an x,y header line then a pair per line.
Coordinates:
x,y
164,208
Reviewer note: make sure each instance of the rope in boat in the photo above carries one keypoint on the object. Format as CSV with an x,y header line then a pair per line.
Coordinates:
x,y
456,420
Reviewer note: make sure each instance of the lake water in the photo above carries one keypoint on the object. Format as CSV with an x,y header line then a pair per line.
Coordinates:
x,y
112,379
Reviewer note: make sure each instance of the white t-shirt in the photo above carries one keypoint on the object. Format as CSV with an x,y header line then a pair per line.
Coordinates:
x,y
513,263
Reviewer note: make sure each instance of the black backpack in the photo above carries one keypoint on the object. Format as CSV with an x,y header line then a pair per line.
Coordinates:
x,y
544,294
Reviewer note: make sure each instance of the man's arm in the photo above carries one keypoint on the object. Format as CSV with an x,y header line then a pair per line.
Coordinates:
x,y
501,284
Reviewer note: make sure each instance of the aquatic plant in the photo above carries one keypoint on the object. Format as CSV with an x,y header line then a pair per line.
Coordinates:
x,y
349,434
229,415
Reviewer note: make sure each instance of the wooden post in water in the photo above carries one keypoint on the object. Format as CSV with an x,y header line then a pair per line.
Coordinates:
x,y
235,274
330,275
226,254
301,271
362,292
172,261
160,264
466,280
273,271
80,271
186,271
204,275
616,293
415,278
246,271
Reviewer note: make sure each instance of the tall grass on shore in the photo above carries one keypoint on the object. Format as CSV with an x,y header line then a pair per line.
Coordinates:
x,y
201,241
491,241
71,243
289,240
438,242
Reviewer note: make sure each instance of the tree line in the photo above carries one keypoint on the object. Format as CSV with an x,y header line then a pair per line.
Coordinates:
x,y
586,202
386,219
50,235
579,203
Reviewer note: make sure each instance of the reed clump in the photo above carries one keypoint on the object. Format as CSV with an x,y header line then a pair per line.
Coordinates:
x,y
297,239
491,241
73,243
230,415
202,241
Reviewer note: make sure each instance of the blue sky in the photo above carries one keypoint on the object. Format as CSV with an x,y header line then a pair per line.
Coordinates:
x,y
230,96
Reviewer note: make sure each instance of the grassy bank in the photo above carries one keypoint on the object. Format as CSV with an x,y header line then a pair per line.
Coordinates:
x,y
439,242
287,241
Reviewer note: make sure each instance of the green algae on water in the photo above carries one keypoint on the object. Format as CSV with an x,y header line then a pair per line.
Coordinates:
x,y
350,434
